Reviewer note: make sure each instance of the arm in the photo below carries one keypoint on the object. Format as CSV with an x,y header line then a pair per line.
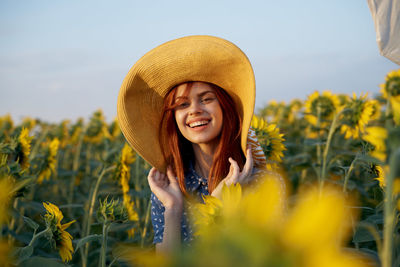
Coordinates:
x,y
167,190
172,231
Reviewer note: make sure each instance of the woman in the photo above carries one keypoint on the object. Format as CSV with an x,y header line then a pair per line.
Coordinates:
x,y
186,108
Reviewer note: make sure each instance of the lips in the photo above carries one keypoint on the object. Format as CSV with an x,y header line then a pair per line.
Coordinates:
x,y
198,123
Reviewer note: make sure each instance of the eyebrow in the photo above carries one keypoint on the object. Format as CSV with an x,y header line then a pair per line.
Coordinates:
x,y
199,95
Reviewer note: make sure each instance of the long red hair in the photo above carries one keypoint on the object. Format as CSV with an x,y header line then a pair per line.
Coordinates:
x,y
178,151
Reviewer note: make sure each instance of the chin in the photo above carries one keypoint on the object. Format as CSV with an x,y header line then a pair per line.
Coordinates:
x,y
204,141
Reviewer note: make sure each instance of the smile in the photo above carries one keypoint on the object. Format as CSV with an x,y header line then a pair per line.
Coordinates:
x,y
198,123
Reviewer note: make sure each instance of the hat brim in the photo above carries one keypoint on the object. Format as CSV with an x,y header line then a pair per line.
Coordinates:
x,y
192,58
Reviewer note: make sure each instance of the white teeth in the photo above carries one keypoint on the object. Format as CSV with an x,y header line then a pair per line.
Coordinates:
x,y
197,123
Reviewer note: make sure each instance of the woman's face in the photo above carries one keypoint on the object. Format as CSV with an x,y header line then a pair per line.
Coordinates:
x,y
198,114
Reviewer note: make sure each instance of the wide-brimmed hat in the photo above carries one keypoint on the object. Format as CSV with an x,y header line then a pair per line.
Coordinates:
x,y
192,58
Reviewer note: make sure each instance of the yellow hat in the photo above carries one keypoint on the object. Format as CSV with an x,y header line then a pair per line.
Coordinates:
x,y
192,58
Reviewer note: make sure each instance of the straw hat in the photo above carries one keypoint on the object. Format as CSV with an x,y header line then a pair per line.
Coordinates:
x,y
192,58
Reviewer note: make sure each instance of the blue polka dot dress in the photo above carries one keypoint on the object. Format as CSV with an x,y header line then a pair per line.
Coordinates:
x,y
196,185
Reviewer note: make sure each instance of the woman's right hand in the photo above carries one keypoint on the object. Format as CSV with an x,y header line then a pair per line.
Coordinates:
x,y
166,188
235,175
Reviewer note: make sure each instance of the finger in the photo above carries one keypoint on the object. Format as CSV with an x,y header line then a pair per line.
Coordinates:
x,y
248,166
157,176
171,176
150,176
154,178
235,171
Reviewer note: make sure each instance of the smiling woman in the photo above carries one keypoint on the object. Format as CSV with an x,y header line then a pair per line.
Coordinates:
x,y
197,94
198,109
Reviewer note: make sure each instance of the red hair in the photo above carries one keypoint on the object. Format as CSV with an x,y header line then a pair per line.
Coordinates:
x,y
178,151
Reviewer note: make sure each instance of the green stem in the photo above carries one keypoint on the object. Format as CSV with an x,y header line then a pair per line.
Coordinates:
x,y
146,222
346,178
389,211
374,232
91,208
137,179
112,262
332,130
75,166
36,236
35,148
103,251
319,140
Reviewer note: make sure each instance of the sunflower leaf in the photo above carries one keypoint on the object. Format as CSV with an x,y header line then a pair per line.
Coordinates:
x,y
23,253
87,239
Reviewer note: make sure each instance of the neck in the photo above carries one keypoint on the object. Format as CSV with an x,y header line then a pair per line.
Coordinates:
x,y
204,154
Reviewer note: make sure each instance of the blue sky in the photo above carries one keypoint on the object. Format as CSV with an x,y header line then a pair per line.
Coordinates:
x,y
65,59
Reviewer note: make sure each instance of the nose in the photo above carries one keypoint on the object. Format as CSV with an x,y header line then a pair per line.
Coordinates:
x,y
195,108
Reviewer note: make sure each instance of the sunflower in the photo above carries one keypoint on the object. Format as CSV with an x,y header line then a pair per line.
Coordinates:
x,y
51,160
358,114
343,100
75,131
391,91
381,172
114,129
325,106
97,129
294,108
6,124
376,113
273,111
238,231
270,140
395,103
24,148
28,122
123,174
63,133
60,236
376,136
6,185
111,211
5,253
391,87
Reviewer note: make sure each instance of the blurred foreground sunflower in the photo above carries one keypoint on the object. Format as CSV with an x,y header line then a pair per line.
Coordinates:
x,y
60,237
357,114
6,193
240,231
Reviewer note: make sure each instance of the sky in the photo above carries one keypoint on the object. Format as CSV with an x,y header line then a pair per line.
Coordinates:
x,y
66,59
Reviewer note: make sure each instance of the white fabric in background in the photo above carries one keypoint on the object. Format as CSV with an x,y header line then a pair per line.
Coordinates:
x,y
386,16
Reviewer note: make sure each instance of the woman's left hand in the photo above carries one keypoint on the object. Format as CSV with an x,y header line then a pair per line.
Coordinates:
x,y
235,175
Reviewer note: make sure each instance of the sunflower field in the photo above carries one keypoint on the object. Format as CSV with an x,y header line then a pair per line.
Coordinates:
x,y
76,194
